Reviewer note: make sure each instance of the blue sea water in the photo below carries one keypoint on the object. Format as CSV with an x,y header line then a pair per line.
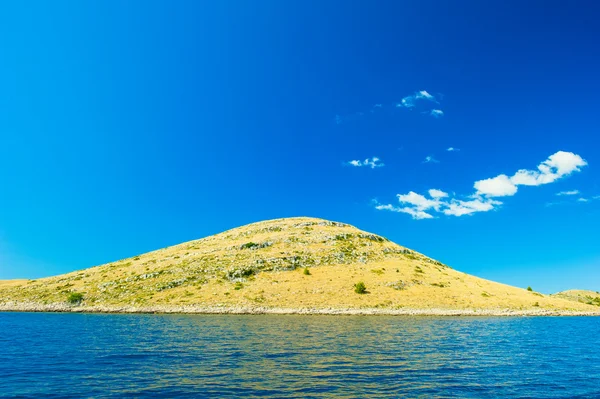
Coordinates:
x,y
186,356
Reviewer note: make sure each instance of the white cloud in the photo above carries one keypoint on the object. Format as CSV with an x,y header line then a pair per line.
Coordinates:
x,y
460,208
572,192
424,94
409,101
433,193
372,163
419,201
499,186
416,214
430,159
558,165
420,97
452,149
418,205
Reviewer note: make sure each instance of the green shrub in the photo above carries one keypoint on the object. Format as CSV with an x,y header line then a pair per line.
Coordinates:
x,y
306,271
537,304
75,298
360,288
343,237
529,289
238,286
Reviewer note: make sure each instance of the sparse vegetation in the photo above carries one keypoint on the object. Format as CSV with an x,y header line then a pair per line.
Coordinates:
x,y
342,237
398,285
360,288
529,289
306,271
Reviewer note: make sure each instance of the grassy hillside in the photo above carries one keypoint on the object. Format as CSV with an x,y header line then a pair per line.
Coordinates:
x,y
294,263
581,296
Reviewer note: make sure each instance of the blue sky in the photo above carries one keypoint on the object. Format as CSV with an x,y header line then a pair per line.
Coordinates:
x,y
134,126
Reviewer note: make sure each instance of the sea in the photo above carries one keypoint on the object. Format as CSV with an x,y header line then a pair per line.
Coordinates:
x,y
54,355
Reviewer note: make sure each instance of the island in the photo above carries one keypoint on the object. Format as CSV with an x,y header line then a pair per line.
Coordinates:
x,y
295,265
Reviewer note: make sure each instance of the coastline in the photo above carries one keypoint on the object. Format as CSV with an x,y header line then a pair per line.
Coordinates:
x,y
241,310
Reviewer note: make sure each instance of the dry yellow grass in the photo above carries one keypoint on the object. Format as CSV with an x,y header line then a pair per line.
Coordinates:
x,y
582,296
262,265
11,283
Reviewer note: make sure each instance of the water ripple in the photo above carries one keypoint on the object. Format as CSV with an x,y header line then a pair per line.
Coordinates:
x,y
185,356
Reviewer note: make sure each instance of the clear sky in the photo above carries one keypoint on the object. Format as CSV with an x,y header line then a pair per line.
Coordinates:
x,y
130,126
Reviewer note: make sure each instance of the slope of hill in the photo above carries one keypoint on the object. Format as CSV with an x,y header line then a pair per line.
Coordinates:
x,y
582,296
293,265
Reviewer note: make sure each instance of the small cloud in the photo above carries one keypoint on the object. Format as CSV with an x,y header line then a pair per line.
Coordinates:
x,y
418,204
410,101
572,192
436,113
569,201
419,201
558,165
416,214
499,186
424,94
430,159
372,163
460,208
407,102
452,149
433,193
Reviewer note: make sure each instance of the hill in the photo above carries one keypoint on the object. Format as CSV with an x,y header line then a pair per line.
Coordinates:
x,y
293,265
581,296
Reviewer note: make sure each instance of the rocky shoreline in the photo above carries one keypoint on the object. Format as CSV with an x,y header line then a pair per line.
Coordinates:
x,y
195,309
